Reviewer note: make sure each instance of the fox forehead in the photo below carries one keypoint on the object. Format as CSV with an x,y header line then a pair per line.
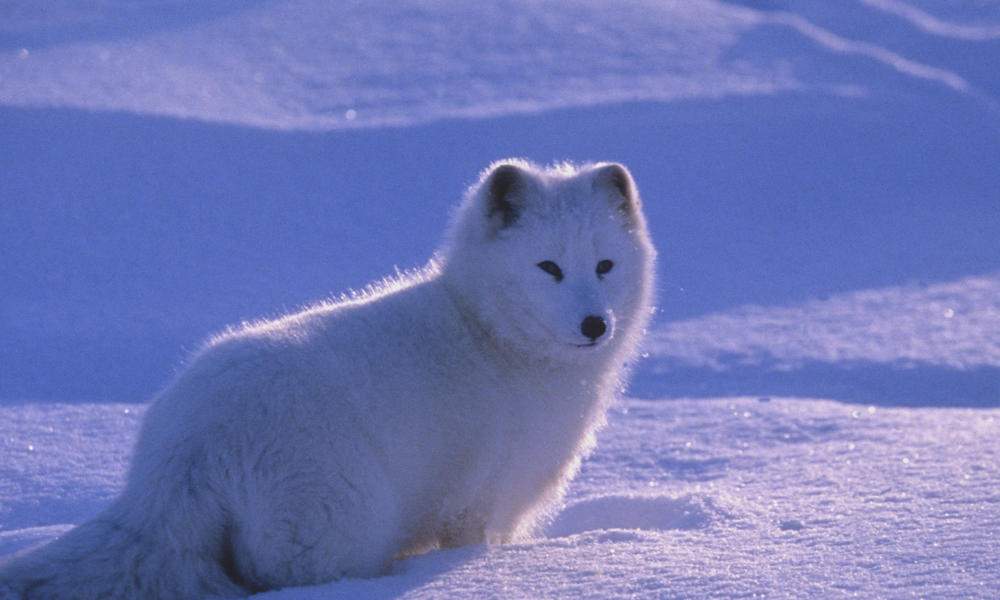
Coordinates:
x,y
568,200
571,239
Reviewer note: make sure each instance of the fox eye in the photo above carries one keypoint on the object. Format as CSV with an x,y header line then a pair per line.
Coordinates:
x,y
551,268
604,266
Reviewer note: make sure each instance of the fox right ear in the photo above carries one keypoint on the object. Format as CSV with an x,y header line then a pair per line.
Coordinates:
x,y
615,179
505,188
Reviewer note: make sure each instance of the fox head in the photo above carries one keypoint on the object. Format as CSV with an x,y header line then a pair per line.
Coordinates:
x,y
555,262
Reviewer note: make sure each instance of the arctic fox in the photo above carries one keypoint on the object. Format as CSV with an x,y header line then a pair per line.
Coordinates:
x,y
445,407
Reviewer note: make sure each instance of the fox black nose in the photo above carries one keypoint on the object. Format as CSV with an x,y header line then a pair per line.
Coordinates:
x,y
593,327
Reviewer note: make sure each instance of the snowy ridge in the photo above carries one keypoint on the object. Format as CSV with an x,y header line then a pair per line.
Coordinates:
x,y
931,24
937,342
298,64
954,325
839,44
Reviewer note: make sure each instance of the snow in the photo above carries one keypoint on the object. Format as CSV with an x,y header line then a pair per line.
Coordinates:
x,y
817,413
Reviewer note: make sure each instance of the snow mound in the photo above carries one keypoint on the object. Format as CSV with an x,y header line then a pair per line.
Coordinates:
x,y
633,512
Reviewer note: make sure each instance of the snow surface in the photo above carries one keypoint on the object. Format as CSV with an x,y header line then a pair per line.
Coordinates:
x,y
818,413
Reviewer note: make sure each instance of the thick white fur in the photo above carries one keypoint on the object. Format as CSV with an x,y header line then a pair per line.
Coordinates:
x,y
446,407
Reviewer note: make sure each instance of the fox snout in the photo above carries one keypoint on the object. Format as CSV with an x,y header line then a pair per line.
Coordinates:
x,y
593,327
597,328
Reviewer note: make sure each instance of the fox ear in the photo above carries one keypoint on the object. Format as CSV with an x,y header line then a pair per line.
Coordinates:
x,y
615,180
505,187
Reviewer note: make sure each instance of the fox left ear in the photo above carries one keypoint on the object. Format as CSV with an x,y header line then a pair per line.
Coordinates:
x,y
615,179
505,186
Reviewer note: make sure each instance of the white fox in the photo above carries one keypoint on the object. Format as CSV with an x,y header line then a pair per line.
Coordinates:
x,y
446,407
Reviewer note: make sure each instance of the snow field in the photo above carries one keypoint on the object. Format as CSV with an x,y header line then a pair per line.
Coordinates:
x,y
817,414
732,497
